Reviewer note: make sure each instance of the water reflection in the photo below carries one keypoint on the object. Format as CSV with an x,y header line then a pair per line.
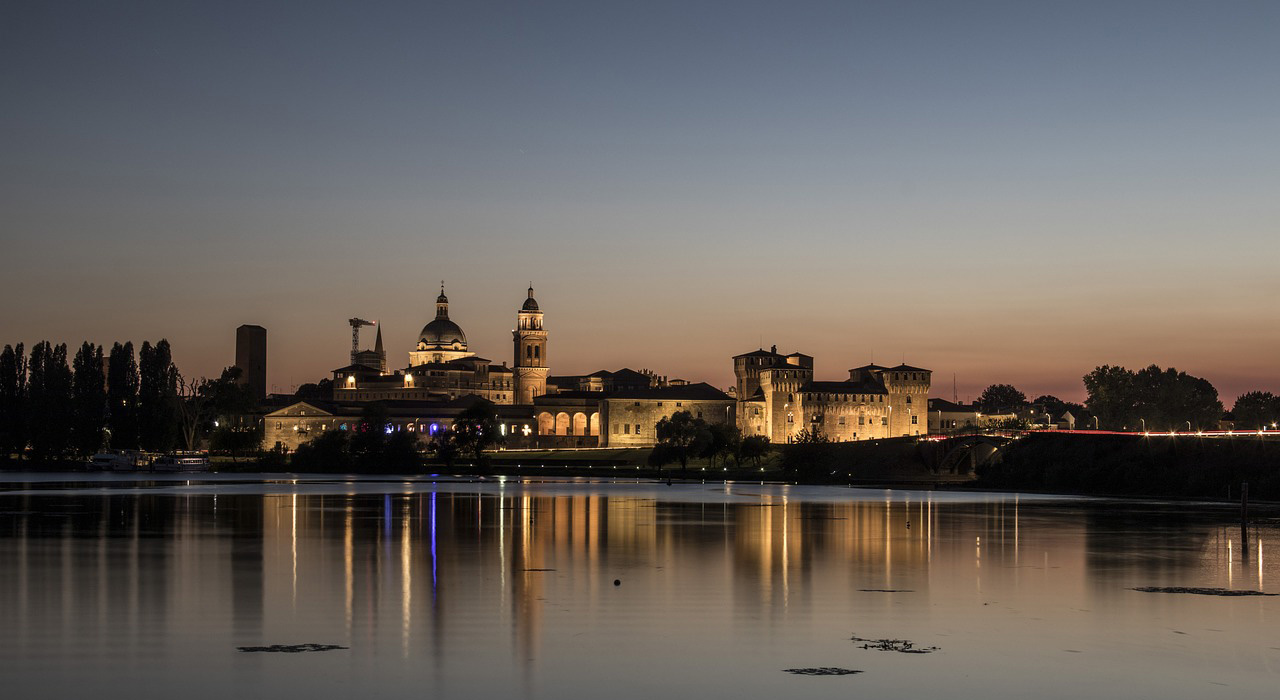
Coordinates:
x,y
510,583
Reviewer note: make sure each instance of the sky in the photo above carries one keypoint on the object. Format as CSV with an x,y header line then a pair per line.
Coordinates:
x,y
1011,192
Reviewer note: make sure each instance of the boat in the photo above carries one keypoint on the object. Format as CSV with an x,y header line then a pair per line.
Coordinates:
x,y
181,463
117,461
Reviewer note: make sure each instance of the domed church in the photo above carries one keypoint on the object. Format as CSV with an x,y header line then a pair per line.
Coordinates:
x,y
442,340
442,367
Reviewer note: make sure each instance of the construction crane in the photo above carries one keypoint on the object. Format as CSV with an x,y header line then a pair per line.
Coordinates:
x,y
356,323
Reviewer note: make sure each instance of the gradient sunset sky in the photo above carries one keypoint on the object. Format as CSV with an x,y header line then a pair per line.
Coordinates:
x,y
1004,191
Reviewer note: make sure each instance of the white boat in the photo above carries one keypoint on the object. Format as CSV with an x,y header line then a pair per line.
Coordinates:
x,y
181,463
117,461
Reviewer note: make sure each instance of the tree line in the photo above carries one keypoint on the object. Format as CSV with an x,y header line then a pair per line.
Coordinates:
x,y
1151,399
53,409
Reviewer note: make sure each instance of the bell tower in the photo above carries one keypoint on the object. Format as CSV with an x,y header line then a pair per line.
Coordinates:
x,y
531,352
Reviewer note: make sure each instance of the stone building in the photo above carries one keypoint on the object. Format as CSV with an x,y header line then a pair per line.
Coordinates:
x,y
306,420
631,416
778,397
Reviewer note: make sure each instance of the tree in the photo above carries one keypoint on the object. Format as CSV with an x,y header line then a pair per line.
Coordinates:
x,y
1110,396
475,429
122,397
320,391
326,453
49,401
1256,409
1055,406
158,412
229,404
89,400
725,442
680,437
1000,398
1151,399
13,398
754,448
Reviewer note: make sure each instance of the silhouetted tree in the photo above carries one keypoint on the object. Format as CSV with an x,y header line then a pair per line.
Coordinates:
x,y
725,443
122,397
1151,398
476,429
1055,406
320,391
754,448
49,401
680,437
999,398
13,398
1256,409
89,399
159,421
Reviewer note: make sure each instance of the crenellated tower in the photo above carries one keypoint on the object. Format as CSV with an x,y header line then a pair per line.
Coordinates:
x,y
531,352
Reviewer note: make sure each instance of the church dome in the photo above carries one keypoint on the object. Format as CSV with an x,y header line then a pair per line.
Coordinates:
x,y
530,304
442,333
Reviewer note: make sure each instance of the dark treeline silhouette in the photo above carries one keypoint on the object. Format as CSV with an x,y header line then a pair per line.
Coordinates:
x,y
1161,465
55,409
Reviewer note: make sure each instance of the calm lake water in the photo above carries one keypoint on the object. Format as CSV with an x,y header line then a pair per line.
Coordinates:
x,y
112,587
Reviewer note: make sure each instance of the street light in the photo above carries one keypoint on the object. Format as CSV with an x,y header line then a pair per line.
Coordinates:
x,y
1144,424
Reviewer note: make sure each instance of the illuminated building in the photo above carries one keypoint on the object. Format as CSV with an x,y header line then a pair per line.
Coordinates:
x,y
778,398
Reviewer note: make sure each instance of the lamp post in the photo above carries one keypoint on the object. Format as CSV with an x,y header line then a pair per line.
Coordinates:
x,y
1095,422
1144,424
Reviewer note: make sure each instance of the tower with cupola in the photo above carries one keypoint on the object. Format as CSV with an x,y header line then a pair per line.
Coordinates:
x,y
531,352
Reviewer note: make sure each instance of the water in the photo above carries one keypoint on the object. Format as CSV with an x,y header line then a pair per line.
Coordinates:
x,y
111,587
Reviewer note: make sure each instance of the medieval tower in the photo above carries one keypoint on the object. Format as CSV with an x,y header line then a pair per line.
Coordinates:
x,y
531,352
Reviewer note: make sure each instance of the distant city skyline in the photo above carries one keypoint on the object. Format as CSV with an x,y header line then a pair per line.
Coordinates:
x,y
1006,192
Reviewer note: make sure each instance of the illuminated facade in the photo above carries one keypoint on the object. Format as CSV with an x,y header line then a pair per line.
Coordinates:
x,y
778,398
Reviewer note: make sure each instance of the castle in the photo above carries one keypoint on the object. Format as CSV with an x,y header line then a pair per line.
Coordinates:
x,y
778,398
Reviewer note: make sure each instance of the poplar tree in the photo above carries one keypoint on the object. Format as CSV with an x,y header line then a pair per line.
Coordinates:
x,y
13,394
158,418
89,399
122,397
49,401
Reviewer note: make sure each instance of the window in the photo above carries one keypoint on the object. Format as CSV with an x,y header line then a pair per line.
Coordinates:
x,y
791,418
862,420
637,428
626,429
637,403
615,428
884,421
699,414
679,404
908,399
841,421
913,420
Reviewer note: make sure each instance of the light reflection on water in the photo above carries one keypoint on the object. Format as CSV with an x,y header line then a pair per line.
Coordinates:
x,y
458,589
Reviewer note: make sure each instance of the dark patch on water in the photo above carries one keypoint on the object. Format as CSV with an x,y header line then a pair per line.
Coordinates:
x,y
1200,591
536,570
821,671
886,590
294,648
902,646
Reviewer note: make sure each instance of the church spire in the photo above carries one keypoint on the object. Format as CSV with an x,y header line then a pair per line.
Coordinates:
x,y
442,303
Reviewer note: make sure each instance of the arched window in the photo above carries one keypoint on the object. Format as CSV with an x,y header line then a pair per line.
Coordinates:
x,y
528,352
537,352
908,399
